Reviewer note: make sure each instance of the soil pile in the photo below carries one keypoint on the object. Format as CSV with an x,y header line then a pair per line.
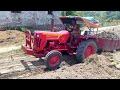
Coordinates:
x,y
11,37
95,67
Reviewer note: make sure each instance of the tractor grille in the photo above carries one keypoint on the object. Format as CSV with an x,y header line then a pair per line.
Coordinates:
x,y
38,42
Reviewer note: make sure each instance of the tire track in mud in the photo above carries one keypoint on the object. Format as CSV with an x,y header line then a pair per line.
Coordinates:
x,y
20,70
31,67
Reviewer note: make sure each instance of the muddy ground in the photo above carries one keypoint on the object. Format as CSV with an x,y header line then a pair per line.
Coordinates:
x,y
16,64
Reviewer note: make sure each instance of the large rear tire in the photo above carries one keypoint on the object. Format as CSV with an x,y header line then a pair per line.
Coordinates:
x,y
85,49
53,59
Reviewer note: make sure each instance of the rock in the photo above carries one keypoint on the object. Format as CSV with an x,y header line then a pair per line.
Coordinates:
x,y
117,66
112,60
109,35
57,77
114,63
63,68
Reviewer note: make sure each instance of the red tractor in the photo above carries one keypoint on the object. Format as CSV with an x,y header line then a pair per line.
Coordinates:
x,y
51,44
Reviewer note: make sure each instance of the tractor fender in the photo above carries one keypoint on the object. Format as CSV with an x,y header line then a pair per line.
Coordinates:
x,y
91,38
84,38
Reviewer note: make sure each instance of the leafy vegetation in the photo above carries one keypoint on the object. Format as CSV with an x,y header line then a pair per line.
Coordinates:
x,y
105,17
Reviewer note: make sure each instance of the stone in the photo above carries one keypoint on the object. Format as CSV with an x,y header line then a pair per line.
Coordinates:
x,y
117,66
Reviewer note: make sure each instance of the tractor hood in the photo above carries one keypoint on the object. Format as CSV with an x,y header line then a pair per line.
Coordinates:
x,y
51,34
61,36
73,20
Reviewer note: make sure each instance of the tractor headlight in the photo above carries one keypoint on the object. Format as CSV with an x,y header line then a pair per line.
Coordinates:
x,y
37,35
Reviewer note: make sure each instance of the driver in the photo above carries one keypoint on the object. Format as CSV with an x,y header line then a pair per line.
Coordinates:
x,y
69,27
77,31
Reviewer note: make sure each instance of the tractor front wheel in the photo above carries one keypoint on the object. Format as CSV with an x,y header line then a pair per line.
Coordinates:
x,y
85,49
53,59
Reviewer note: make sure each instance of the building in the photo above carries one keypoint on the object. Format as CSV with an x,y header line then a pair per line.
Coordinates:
x,y
28,18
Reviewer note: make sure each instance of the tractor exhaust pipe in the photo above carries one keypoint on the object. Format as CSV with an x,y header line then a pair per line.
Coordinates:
x,y
52,20
52,23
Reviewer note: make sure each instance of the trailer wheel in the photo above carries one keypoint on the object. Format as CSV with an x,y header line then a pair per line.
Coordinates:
x,y
85,49
53,59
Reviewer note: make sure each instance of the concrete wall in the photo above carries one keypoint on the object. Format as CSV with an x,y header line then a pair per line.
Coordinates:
x,y
27,18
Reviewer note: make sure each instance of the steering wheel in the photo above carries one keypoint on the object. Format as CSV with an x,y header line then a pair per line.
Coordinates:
x,y
68,28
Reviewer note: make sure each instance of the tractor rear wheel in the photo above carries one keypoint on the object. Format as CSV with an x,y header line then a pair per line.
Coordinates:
x,y
85,49
53,59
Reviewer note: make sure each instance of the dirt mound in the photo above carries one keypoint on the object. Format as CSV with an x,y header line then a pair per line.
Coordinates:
x,y
109,35
96,67
11,37
112,33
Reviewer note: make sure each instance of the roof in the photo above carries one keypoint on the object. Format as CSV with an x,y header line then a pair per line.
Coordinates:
x,y
89,21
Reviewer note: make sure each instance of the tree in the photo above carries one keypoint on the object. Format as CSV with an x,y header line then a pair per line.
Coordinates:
x,y
70,13
101,15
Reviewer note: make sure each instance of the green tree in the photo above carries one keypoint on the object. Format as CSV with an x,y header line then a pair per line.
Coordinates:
x,y
70,13
100,15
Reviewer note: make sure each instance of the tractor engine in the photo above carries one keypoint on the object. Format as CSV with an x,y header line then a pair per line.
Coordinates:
x,y
46,40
